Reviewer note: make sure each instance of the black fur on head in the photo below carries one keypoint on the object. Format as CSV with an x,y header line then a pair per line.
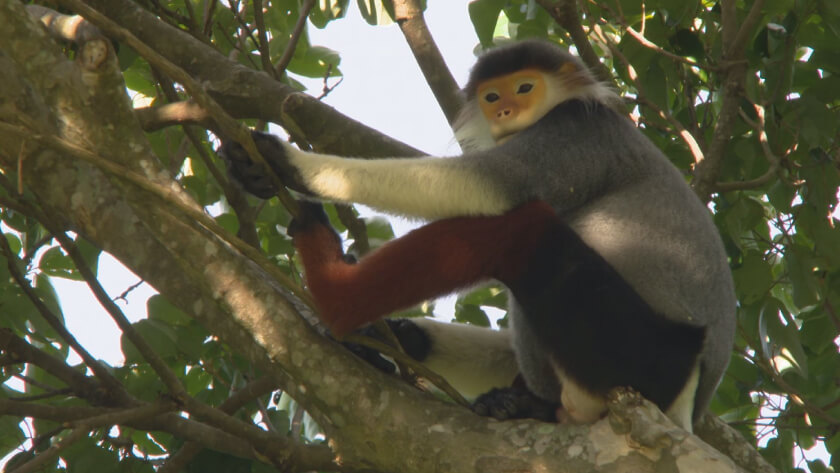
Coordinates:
x,y
532,53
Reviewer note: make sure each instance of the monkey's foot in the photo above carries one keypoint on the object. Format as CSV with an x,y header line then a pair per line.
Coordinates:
x,y
515,403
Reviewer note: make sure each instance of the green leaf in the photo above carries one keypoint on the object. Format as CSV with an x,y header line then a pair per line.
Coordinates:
x,y
653,80
753,279
14,243
86,456
10,434
190,340
210,460
531,29
781,195
145,444
279,419
229,222
196,381
484,15
379,231
315,61
57,264
159,336
471,314
327,11
493,296
90,254
141,381
818,332
686,42
742,216
824,232
160,309
817,124
783,336
376,12
800,264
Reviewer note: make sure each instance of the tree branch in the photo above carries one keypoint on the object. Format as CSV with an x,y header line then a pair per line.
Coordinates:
x,y
297,32
772,171
565,13
734,67
81,385
246,93
409,15
230,128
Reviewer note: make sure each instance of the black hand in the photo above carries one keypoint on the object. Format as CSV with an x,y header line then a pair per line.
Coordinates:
x,y
515,403
253,176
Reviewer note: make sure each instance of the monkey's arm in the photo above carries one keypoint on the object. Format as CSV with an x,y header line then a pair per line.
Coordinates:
x,y
430,188
428,262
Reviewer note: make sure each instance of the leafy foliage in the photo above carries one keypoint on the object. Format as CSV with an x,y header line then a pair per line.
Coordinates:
x,y
774,200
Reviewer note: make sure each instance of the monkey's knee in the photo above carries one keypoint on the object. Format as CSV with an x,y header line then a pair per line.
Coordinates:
x,y
580,406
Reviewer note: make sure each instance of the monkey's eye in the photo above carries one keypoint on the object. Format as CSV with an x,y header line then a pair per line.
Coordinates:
x,y
491,97
525,88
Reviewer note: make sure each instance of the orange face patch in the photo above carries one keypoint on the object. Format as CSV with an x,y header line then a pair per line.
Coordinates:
x,y
512,102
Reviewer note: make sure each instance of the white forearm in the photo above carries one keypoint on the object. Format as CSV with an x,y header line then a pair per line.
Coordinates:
x,y
429,188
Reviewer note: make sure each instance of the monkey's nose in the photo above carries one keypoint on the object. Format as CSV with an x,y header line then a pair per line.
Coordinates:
x,y
506,113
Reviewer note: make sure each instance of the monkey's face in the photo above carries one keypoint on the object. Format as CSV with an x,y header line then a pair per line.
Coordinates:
x,y
513,102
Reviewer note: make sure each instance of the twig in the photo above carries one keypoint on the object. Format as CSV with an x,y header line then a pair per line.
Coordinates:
x,y
98,368
355,225
169,378
326,89
565,14
83,428
40,460
734,65
262,39
264,385
82,386
774,160
297,32
679,129
660,50
244,212
123,296
737,45
409,16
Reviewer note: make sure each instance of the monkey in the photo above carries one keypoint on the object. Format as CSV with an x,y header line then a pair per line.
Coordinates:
x,y
616,271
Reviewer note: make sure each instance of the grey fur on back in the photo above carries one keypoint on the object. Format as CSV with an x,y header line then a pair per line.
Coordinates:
x,y
629,203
